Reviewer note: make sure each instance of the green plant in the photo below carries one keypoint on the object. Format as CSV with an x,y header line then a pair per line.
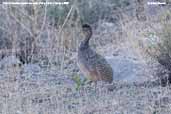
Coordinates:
x,y
93,11
58,14
160,40
79,82
154,112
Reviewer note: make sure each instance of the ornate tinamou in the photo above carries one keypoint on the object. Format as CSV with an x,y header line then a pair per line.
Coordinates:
x,y
91,64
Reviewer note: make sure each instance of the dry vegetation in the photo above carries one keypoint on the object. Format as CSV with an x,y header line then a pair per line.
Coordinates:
x,y
38,49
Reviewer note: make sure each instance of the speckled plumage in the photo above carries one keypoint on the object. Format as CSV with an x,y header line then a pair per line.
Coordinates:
x,y
91,64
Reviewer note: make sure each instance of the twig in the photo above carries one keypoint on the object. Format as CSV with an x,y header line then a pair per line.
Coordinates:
x,y
66,19
24,26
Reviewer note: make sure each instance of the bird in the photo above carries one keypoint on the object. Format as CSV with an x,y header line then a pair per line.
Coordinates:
x,y
165,60
92,65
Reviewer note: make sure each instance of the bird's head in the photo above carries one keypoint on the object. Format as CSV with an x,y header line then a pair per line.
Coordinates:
x,y
87,30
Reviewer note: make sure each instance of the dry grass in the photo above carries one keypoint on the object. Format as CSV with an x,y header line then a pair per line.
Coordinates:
x,y
46,85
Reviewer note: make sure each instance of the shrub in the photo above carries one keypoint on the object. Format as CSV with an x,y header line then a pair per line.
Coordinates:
x,y
164,56
160,46
89,11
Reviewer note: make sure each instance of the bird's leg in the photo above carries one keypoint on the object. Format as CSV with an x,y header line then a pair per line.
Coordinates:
x,y
89,82
95,85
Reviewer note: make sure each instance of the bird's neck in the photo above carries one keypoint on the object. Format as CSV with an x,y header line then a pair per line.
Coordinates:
x,y
85,43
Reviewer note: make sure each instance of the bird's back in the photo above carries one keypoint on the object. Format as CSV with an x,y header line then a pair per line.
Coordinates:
x,y
94,66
